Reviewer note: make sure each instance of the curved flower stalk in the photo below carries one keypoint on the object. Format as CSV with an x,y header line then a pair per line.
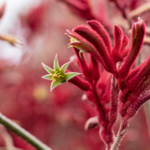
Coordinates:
x,y
58,75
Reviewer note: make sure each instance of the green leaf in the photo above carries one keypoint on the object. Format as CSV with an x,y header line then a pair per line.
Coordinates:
x,y
70,75
48,69
48,76
54,84
56,64
64,67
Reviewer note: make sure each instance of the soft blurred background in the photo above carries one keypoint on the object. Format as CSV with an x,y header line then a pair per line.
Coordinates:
x,y
57,118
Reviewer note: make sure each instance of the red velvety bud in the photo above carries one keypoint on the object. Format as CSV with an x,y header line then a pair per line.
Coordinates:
x,y
131,99
144,71
124,43
117,43
95,69
122,83
144,86
133,73
97,41
83,64
138,32
124,53
136,106
98,27
82,44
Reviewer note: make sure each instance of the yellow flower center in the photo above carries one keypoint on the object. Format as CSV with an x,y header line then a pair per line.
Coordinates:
x,y
54,76
58,76
72,40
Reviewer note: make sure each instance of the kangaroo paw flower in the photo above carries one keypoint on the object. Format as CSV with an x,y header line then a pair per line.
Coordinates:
x,y
58,75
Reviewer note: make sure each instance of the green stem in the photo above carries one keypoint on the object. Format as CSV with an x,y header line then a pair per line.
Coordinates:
x,y
118,139
23,133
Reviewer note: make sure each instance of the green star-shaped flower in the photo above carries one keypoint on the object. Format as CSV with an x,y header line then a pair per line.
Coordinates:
x,y
58,75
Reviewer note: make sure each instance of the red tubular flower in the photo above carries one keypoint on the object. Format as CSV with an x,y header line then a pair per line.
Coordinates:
x,y
124,44
136,85
95,69
138,32
142,73
132,111
97,41
82,44
97,26
103,91
118,33
133,72
80,83
90,40
83,65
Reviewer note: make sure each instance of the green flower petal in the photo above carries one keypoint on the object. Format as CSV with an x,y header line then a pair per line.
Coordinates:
x,y
48,69
70,75
48,76
54,84
56,64
64,67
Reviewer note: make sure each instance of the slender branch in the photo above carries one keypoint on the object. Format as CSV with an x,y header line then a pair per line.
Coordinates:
x,y
119,137
23,133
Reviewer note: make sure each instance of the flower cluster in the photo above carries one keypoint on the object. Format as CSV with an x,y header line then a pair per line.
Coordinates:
x,y
108,78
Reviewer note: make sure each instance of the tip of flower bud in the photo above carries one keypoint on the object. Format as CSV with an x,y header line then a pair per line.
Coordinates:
x,y
42,64
70,46
56,55
139,19
68,31
42,77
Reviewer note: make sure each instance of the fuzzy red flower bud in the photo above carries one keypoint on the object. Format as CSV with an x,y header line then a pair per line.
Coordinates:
x,y
124,44
97,41
138,32
95,69
142,73
118,33
97,26
83,64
